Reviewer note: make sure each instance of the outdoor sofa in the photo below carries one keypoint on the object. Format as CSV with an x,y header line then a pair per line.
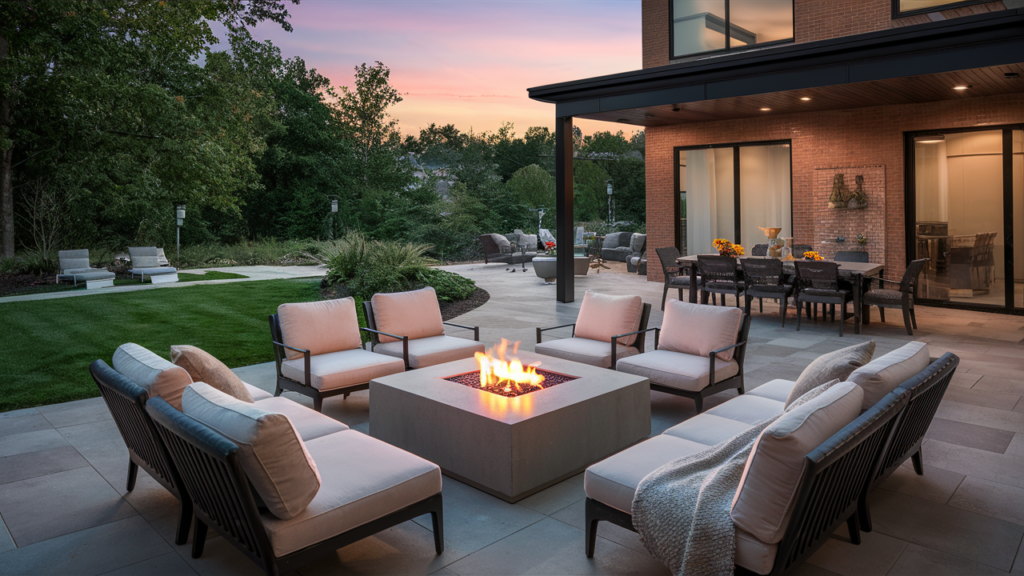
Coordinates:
x,y
281,482
498,248
621,246
75,266
146,262
790,501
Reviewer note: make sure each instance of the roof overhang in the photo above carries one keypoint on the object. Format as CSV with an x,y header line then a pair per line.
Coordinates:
x,y
911,64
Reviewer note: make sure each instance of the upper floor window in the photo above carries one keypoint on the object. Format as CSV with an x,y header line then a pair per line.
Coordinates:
x,y
700,26
911,7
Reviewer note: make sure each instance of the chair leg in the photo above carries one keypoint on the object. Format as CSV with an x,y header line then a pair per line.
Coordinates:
x,y
591,531
318,403
198,539
680,295
853,523
799,314
913,318
345,395
918,460
760,306
832,312
437,519
906,321
133,473
864,511
747,307
184,520
783,308
699,403
664,296
881,314
278,391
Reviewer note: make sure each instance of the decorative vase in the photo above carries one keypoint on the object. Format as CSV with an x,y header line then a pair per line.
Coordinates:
x,y
787,249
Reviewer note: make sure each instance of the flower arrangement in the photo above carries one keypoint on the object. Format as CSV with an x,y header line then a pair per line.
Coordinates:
x,y
726,248
550,247
812,255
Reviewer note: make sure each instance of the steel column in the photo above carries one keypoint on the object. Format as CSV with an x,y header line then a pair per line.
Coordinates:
x,y
565,282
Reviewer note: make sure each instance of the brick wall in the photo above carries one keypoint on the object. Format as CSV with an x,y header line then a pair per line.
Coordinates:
x,y
862,137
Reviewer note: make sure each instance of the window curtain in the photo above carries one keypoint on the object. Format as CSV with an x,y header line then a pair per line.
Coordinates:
x,y
701,215
765,192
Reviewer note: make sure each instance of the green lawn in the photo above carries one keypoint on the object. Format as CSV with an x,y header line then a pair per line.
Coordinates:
x,y
211,275
46,346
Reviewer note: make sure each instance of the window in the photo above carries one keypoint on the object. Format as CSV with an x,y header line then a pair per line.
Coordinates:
x,y
700,26
911,7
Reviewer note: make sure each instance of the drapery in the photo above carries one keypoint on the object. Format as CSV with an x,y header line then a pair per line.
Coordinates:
x,y
701,215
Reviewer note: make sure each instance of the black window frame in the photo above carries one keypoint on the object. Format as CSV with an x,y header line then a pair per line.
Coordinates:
x,y
728,37
897,13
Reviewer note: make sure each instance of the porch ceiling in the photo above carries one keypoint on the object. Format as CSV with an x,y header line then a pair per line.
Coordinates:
x,y
907,65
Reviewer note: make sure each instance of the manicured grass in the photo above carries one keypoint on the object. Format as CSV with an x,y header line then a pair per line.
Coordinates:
x,y
211,275
46,346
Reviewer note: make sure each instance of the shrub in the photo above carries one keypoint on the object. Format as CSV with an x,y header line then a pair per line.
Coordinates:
x,y
257,253
450,287
384,267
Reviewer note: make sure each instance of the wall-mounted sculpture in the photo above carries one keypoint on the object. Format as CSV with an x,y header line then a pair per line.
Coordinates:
x,y
843,199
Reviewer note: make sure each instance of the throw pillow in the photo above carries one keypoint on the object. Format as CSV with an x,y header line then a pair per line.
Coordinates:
x,y
839,364
883,375
811,395
203,367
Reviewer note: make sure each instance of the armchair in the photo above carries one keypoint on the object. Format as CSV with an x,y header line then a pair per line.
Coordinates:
x,y
608,328
902,297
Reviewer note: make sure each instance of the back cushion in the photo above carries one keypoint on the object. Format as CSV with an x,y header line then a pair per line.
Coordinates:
x,y
698,328
637,241
838,364
73,260
500,240
204,367
320,327
157,376
603,316
144,257
882,375
414,314
271,452
768,488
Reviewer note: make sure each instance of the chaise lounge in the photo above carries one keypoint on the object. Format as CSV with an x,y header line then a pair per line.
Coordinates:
x,y
146,262
75,266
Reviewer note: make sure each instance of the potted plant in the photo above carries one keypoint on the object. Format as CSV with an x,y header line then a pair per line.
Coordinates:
x,y
812,255
546,266
726,248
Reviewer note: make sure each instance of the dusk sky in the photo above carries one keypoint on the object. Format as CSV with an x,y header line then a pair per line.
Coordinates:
x,y
468,62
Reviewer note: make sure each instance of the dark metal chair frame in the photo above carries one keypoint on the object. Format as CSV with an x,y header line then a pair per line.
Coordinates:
x,y
667,256
224,501
908,287
835,475
822,277
926,390
371,322
641,334
720,275
127,401
766,279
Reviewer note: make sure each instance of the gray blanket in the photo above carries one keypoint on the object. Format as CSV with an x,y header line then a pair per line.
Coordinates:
x,y
681,510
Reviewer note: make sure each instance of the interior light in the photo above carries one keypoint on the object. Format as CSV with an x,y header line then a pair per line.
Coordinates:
x,y
805,99
962,87
766,109
929,139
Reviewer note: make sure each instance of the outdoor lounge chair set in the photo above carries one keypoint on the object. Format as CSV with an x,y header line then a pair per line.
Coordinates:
x,y
148,262
76,268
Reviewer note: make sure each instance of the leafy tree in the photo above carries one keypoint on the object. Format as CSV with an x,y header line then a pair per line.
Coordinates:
x,y
364,111
535,187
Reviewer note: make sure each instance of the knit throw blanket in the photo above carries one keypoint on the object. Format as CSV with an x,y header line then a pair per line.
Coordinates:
x,y
681,510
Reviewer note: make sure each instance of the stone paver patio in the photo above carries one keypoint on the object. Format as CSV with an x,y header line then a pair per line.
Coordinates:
x,y
64,509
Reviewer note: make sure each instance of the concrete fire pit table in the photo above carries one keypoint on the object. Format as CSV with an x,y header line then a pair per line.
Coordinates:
x,y
511,447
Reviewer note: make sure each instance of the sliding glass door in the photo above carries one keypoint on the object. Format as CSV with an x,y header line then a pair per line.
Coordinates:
x,y
729,191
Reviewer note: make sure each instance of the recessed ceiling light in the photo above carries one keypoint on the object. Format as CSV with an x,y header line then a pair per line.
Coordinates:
x,y
962,87
766,109
805,99
930,138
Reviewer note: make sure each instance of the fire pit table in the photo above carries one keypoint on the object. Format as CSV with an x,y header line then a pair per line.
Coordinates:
x,y
511,447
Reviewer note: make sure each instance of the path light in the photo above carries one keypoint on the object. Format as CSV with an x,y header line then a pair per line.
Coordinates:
x,y
332,217
610,220
179,213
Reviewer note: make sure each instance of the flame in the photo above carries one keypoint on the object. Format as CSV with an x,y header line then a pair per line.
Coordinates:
x,y
499,373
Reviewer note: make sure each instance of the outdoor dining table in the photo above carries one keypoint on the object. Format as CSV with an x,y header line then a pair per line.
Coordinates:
x,y
853,272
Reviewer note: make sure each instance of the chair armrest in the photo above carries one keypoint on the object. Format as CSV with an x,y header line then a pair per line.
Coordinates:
x,y
305,356
729,347
404,339
614,339
475,329
881,280
539,330
714,354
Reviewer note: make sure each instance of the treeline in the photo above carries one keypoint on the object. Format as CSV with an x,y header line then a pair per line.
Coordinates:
x,y
112,112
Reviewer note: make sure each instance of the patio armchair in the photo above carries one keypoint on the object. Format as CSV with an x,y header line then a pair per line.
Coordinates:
x,y
673,273
638,252
408,325
75,266
616,246
720,275
318,351
766,279
146,262
902,297
698,352
818,283
231,456
607,329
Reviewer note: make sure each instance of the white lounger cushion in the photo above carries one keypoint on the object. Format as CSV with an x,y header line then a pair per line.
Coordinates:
x,y
157,271
309,423
158,376
363,479
729,419
425,352
342,369
415,314
678,370
613,481
320,327
271,451
767,491
882,375
603,316
585,351
699,329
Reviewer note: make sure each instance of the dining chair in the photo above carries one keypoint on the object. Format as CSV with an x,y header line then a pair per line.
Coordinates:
x,y
766,279
719,275
851,256
818,283
674,276
902,297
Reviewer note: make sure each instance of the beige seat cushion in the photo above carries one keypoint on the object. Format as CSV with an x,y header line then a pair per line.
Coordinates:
x,y
678,370
159,377
882,375
834,365
309,423
699,329
342,369
708,429
363,479
270,450
748,409
585,351
603,316
768,487
203,367
320,327
774,389
257,393
753,554
614,480
425,352
415,314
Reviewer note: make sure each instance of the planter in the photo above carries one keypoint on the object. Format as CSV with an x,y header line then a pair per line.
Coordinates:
x,y
581,265
545,267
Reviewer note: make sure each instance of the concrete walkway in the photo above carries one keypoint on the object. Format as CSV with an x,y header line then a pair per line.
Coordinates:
x,y
64,509
251,272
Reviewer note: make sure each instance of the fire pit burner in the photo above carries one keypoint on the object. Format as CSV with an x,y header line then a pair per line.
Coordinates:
x,y
472,379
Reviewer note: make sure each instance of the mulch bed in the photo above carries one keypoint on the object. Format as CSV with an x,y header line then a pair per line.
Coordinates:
x,y
20,283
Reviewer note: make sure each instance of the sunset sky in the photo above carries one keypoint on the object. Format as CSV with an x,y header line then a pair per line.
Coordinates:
x,y
468,62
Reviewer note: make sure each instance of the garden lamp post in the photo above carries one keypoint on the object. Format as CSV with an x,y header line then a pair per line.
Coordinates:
x,y
334,210
609,201
180,214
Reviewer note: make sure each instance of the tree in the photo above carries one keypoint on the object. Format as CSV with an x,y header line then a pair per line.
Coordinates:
x,y
535,187
364,110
